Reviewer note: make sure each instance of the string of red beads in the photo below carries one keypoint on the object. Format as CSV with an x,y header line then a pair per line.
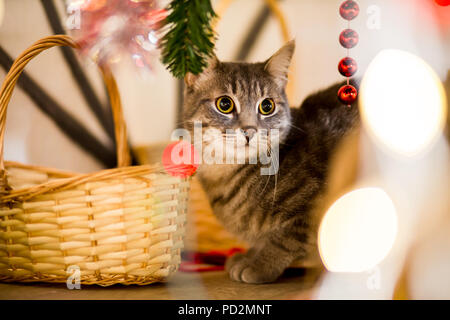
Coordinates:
x,y
348,38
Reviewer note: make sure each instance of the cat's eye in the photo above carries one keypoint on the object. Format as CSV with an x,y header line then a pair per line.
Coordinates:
x,y
266,107
225,104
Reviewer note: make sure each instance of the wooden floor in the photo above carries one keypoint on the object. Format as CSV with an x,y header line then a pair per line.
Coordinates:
x,y
206,285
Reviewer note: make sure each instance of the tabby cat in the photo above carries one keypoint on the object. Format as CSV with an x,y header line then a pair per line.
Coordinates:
x,y
272,212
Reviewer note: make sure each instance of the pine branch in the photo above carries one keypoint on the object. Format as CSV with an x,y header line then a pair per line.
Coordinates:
x,y
189,40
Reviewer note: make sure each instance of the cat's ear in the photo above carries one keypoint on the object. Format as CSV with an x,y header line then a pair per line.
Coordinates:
x,y
191,79
278,64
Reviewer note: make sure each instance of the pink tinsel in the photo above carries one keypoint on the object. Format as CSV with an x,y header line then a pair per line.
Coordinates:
x,y
108,30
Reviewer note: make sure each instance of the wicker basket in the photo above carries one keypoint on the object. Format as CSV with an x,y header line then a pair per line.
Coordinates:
x,y
121,225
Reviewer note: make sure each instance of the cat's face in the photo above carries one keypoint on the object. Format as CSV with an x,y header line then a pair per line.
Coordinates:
x,y
240,104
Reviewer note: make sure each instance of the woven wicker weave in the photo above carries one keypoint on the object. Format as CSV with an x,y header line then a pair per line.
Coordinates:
x,y
203,231
121,225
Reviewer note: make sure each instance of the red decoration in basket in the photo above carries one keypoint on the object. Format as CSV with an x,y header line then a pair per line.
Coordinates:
x,y
108,30
347,94
347,67
348,38
180,159
349,10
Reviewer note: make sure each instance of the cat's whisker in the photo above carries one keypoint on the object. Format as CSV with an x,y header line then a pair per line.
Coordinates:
x,y
295,127
185,123
272,156
267,182
275,189
212,138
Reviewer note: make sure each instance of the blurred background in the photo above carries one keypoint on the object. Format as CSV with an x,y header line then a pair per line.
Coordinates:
x,y
418,26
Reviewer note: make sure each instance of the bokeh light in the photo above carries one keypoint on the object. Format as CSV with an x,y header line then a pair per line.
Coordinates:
x,y
403,103
358,231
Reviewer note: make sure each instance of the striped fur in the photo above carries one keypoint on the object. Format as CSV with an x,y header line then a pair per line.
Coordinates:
x,y
273,213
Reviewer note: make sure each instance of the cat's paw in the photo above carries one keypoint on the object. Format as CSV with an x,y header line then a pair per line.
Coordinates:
x,y
243,269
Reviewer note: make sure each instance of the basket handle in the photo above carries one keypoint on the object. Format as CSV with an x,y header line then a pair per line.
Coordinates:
x,y
123,153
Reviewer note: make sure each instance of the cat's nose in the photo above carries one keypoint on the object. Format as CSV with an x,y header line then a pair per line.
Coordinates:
x,y
249,132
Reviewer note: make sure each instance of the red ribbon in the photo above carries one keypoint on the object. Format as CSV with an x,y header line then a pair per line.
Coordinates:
x,y
213,260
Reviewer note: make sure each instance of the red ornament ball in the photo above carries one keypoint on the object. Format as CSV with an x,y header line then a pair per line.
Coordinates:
x,y
347,94
349,10
347,66
348,38
443,2
180,159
